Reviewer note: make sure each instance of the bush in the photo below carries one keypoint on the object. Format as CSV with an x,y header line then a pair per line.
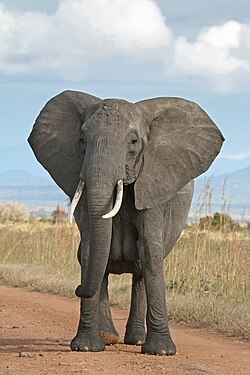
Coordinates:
x,y
13,212
217,221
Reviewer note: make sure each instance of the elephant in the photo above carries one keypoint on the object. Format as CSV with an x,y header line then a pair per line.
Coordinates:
x,y
128,169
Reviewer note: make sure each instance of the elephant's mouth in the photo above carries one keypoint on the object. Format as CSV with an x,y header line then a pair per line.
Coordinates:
x,y
79,192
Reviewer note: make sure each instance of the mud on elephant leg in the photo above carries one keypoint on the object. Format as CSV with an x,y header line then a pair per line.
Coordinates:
x,y
89,336
109,333
135,329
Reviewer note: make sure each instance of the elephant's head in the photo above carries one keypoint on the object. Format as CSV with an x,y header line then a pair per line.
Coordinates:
x,y
158,145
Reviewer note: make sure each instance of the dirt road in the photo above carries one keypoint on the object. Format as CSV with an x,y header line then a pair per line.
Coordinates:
x,y
36,329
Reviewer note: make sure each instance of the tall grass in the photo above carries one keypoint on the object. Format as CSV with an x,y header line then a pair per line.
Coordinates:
x,y
207,279
206,275
40,248
210,262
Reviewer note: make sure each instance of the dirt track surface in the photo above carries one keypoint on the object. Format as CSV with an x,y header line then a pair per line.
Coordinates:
x,y
36,330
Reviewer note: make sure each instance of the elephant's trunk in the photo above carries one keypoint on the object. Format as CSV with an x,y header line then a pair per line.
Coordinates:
x,y
100,173
100,240
100,234
100,200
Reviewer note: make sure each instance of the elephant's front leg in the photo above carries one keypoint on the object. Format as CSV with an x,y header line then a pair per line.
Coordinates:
x,y
158,339
88,336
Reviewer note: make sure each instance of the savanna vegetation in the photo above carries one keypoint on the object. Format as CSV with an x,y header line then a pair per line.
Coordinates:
x,y
206,275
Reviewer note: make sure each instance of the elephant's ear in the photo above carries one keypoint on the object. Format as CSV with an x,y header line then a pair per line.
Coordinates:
x,y
183,142
56,134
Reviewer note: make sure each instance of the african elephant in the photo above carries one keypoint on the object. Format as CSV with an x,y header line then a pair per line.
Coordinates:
x,y
128,170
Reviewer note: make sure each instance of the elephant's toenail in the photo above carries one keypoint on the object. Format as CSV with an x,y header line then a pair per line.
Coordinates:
x,y
138,343
85,349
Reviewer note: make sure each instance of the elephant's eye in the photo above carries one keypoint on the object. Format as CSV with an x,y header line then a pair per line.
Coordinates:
x,y
133,141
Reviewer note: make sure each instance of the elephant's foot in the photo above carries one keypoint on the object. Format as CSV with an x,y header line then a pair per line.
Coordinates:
x,y
134,335
159,345
86,342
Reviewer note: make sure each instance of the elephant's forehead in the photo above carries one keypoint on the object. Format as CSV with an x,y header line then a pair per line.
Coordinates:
x,y
115,112
116,107
115,103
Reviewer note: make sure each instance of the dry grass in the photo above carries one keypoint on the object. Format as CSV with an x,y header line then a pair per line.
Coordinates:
x,y
38,278
13,212
210,262
207,274
39,248
210,312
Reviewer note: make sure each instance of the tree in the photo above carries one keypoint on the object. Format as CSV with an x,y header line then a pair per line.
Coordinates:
x,y
58,215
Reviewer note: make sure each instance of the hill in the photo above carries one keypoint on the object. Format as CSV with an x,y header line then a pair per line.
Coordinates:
x,y
42,195
20,177
19,158
230,189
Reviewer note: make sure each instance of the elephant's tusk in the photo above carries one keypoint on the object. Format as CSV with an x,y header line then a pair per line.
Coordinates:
x,y
75,200
118,201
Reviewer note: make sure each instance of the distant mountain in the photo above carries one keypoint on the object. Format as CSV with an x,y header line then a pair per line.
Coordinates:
x,y
42,194
20,157
16,174
229,189
224,165
22,177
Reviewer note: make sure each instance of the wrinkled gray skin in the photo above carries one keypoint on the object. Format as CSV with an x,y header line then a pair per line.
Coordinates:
x,y
156,147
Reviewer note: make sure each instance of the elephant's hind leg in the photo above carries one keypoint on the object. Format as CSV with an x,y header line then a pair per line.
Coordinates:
x,y
109,333
158,339
135,329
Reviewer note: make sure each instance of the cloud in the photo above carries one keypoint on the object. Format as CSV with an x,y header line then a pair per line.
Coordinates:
x,y
79,32
218,52
127,24
101,38
18,40
235,156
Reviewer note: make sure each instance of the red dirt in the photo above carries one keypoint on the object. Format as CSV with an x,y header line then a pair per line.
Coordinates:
x,y
36,329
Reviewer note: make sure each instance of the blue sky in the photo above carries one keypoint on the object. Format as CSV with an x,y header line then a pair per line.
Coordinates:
x,y
130,49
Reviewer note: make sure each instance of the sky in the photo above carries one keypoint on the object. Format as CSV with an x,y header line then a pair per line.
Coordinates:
x,y
128,49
